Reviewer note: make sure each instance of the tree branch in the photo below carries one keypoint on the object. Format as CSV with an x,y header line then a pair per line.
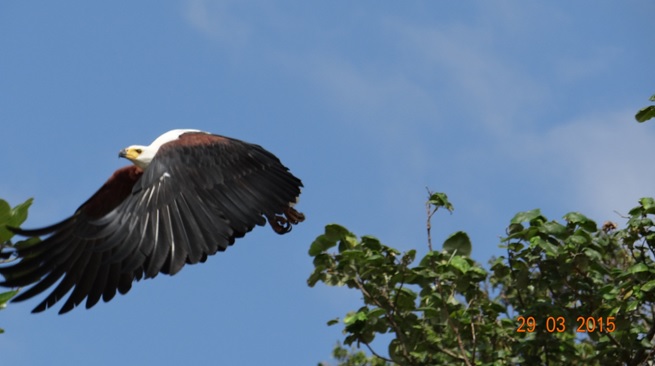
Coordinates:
x,y
429,214
376,354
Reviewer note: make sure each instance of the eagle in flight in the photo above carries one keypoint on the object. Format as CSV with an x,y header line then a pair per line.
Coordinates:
x,y
187,195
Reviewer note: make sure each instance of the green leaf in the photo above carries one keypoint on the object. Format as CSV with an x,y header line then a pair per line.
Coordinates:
x,y
19,213
321,244
440,200
460,263
526,216
547,247
645,114
5,217
458,242
333,322
406,299
514,228
5,297
581,220
377,312
14,217
316,276
429,258
632,306
371,242
648,286
648,203
351,255
5,212
554,228
352,318
593,254
335,232
408,257
637,268
579,239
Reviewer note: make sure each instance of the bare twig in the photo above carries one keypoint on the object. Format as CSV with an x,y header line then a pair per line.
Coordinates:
x,y
473,337
452,354
376,354
389,312
460,343
452,326
429,214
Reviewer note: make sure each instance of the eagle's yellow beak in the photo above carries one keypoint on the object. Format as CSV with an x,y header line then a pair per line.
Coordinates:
x,y
129,153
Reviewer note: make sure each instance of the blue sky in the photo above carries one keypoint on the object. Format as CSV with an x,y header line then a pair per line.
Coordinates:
x,y
505,106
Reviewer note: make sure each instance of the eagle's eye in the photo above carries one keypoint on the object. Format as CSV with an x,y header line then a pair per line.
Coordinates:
x,y
138,151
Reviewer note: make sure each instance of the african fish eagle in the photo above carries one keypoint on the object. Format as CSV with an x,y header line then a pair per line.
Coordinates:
x,y
188,195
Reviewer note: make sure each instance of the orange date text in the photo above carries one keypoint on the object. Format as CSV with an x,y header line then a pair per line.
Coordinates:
x,y
528,324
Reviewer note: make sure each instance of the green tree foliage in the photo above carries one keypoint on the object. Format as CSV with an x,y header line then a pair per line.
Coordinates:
x,y
566,293
12,217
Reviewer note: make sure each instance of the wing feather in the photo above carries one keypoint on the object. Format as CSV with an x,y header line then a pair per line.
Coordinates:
x,y
197,242
69,273
82,283
100,281
113,278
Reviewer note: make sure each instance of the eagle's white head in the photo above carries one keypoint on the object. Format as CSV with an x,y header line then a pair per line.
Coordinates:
x,y
141,155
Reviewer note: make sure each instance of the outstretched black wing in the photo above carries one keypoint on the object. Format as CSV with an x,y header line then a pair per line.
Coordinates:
x,y
198,194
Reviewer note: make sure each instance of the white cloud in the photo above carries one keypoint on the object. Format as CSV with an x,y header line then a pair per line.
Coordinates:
x,y
463,69
385,95
463,59
602,157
